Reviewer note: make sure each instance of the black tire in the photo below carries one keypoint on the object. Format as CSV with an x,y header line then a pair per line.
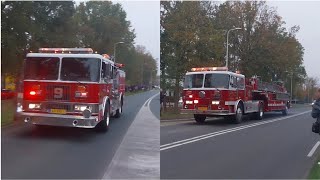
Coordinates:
x,y
259,115
239,114
285,111
119,111
199,118
103,126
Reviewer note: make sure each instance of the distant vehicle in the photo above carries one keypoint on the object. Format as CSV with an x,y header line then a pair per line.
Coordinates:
x,y
180,102
7,94
215,91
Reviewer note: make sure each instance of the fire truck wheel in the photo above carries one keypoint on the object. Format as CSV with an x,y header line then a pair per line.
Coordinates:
x,y
285,111
119,111
103,126
239,114
199,118
259,115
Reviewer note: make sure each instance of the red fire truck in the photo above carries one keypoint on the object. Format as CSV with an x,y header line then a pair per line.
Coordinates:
x,y
71,87
215,91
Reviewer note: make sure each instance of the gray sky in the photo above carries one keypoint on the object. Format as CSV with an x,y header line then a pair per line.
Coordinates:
x,y
306,14
145,19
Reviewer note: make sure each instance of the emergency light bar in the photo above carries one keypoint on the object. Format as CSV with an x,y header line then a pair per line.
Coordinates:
x,y
210,69
66,50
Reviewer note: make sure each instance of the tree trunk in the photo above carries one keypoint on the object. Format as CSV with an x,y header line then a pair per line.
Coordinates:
x,y
176,95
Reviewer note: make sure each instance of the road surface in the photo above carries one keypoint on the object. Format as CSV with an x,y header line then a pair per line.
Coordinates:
x,y
67,153
273,148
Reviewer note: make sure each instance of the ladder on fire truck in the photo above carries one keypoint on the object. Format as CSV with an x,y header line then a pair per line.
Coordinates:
x,y
276,88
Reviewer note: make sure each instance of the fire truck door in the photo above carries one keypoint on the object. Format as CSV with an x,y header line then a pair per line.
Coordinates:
x,y
115,89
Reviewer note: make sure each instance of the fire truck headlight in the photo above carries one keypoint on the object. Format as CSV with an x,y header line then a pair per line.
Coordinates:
x,y
34,106
189,102
215,102
81,94
81,107
196,101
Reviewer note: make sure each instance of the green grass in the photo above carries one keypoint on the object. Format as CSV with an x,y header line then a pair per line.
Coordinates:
x,y
315,171
7,111
170,113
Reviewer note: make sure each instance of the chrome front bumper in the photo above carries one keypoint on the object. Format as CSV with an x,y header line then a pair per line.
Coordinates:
x,y
207,112
59,120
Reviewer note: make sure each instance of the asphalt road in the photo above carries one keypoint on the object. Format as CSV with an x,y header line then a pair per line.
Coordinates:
x,y
65,153
275,147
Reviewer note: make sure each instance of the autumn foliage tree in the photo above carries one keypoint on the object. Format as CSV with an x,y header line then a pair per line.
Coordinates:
x,y
194,34
27,26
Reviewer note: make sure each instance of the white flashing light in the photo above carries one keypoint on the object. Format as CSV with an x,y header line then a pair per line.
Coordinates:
x,y
215,102
80,107
34,106
210,69
196,101
189,102
66,50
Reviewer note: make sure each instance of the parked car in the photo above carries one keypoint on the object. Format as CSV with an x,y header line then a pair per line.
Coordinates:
x,y
7,94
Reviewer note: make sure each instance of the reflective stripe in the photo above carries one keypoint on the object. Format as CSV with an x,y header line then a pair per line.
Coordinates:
x,y
276,104
230,102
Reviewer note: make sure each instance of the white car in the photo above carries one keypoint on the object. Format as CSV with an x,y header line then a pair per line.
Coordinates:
x,y
180,102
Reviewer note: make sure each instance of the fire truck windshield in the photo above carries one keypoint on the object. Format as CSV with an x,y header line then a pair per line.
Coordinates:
x,y
41,68
80,69
193,81
213,80
216,81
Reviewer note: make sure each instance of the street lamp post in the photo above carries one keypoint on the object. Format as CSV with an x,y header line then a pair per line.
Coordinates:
x,y
290,85
114,50
227,58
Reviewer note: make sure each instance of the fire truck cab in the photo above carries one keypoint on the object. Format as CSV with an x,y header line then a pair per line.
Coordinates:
x,y
215,91
71,87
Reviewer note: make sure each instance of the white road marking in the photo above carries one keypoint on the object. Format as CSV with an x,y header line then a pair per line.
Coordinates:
x,y
147,103
313,149
209,135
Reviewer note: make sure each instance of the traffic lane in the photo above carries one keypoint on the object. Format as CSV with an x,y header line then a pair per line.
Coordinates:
x,y
275,150
155,106
54,152
188,129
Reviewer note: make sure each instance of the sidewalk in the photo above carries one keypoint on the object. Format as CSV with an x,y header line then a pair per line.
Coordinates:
x,y
138,155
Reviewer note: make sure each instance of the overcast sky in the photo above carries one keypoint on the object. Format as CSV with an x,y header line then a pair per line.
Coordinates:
x,y
306,14
145,19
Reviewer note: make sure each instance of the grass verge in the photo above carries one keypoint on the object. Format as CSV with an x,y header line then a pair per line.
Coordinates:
x,y
170,113
315,171
7,111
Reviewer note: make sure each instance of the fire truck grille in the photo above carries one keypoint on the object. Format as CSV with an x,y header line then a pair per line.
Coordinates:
x,y
58,93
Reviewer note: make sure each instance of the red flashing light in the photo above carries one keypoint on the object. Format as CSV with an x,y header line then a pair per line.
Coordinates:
x,y
32,93
119,65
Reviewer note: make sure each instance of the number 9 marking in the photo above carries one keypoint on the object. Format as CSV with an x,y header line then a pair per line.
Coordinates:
x,y
58,92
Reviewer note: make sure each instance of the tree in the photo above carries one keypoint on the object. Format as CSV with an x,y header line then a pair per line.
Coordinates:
x,y
194,33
